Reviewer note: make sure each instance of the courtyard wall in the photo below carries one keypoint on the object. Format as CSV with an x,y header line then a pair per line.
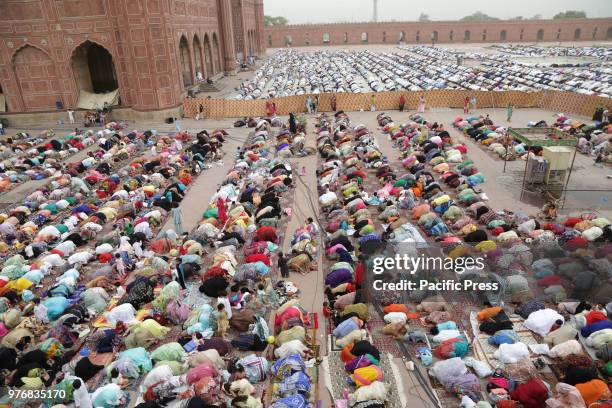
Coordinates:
x,y
566,102
423,32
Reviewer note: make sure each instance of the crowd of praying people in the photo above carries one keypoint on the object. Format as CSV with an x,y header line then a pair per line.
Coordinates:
x,y
346,153
497,72
522,50
95,301
437,199
556,285
290,72
27,157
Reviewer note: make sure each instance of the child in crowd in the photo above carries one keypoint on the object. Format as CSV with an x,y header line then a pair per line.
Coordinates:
x,y
222,321
119,264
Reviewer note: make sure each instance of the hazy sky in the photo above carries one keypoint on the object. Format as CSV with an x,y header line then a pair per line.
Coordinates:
x,y
324,11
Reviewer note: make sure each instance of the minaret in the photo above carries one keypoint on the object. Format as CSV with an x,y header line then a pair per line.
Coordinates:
x,y
375,11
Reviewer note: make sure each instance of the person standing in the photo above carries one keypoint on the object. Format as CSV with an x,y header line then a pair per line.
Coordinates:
x,y
282,265
333,103
177,218
81,395
510,111
200,112
177,124
222,213
473,102
71,116
402,103
292,124
466,105
179,274
308,104
269,109
222,321
373,103
316,105
421,107
119,265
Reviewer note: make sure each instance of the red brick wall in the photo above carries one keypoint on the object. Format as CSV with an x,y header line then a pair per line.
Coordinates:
x,y
141,35
37,78
595,29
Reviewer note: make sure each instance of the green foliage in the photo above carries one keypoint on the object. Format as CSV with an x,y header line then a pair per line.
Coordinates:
x,y
424,17
479,16
275,21
570,14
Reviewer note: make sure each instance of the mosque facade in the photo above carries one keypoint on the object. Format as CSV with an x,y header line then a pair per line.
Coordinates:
x,y
152,51
417,32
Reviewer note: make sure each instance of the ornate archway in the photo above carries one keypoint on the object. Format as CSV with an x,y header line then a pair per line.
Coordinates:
x,y
198,56
93,68
36,77
185,60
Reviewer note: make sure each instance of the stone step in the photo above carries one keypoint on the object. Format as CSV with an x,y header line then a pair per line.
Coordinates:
x,y
207,88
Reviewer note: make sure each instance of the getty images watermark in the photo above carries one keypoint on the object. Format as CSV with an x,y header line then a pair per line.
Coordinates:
x,y
416,265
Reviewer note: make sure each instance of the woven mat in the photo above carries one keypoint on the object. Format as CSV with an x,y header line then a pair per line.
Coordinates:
x,y
338,377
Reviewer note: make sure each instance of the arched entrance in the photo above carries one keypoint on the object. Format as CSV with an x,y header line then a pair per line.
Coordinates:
x,y
503,35
3,107
185,62
467,35
217,54
208,58
609,34
93,68
197,55
37,78
540,36
577,33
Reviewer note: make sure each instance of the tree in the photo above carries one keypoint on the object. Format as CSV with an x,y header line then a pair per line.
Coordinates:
x,y
479,16
424,17
536,17
517,18
275,21
570,14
